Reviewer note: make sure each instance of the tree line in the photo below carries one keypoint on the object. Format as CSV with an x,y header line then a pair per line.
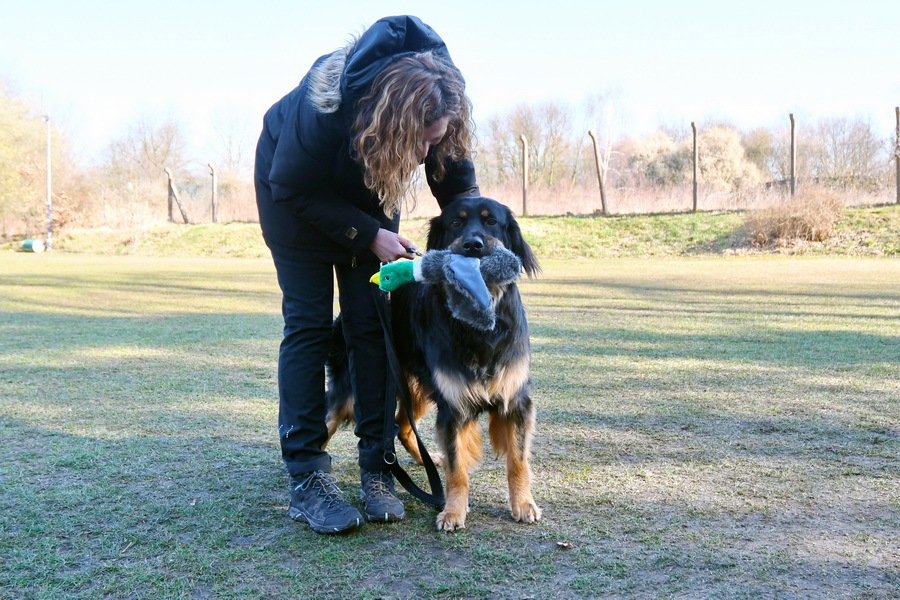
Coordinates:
x,y
127,187
840,151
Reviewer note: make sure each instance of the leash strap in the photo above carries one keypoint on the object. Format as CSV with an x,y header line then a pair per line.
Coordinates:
x,y
396,385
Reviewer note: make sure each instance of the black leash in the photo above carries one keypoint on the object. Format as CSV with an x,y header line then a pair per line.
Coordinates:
x,y
396,385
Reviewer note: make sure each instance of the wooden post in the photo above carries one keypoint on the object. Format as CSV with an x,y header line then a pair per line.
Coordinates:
x,y
600,180
173,198
171,188
215,193
696,163
524,175
897,152
793,155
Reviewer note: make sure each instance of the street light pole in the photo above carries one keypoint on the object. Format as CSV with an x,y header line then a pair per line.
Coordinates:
x,y
49,190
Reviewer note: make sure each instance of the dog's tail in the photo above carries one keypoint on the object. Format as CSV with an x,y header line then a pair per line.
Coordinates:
x,y
339,392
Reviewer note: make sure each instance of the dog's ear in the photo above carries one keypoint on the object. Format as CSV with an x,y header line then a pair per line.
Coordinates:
x,y
519,247
435,234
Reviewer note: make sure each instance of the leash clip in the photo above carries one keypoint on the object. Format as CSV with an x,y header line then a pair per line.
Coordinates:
x,y
390,458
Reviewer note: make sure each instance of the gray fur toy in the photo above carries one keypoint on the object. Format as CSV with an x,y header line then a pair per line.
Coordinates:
x,y
466,280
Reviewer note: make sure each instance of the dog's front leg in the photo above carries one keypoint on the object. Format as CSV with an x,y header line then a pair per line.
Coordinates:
x,y
462,450
511,436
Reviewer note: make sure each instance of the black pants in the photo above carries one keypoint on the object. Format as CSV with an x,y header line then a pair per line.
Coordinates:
x,y
307,306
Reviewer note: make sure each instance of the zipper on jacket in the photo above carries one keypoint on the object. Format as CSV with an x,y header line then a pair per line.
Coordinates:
x,y
353,261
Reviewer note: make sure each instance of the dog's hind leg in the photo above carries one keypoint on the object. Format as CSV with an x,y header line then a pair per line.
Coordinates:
x,y
462,450
511,437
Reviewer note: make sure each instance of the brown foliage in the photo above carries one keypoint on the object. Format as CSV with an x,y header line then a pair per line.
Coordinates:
x,y
808,216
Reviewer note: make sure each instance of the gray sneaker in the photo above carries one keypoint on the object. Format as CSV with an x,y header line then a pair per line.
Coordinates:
x,y
378,495
317,500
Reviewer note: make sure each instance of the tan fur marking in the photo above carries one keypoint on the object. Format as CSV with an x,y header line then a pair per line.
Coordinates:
x,y
518,470
468,453
336,417
453,387
463,214
507,383
485,213
421,404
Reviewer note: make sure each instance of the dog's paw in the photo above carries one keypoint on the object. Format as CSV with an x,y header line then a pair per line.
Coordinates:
x,y
526,512
450,521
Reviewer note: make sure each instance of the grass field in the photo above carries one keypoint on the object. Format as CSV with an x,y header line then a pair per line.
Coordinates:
x,y
872,231
707,428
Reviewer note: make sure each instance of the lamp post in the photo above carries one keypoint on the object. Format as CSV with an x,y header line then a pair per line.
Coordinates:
x,y
49,188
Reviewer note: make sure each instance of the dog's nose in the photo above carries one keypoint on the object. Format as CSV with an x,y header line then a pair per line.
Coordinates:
x,y
473,245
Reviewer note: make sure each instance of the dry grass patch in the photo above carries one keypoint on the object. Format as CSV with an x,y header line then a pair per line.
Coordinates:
x,y
809,216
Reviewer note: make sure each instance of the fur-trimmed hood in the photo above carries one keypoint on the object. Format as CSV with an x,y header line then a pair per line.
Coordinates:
x,y
345,75
325,79
310,189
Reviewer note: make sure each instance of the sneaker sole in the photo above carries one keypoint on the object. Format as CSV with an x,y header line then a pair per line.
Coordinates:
x,y
298,515
385,517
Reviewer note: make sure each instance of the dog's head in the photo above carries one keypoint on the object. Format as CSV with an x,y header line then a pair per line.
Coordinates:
x,y
473,226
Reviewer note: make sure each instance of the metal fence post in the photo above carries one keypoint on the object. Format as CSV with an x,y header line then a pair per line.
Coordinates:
x,y
49,243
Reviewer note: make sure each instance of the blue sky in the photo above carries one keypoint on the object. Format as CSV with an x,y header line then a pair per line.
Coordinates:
x,y
97,66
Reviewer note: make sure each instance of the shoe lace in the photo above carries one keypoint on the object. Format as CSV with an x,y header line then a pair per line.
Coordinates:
x,y
379,485
325,487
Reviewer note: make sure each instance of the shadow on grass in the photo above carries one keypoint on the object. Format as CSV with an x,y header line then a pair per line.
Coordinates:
x,y
138,455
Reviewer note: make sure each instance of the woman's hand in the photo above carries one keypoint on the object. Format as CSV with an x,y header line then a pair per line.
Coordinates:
x,y
389,246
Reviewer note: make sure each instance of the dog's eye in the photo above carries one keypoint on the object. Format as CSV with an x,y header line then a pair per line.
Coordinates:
x,y
456,223
492,221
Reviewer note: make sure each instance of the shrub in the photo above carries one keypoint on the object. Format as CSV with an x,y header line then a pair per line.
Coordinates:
x,y
724,167
808,216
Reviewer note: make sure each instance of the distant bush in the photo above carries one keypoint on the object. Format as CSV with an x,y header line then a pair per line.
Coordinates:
x,y
808,216
724,167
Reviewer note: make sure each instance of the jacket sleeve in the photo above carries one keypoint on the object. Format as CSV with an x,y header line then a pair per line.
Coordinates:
x,y
300,166
458,182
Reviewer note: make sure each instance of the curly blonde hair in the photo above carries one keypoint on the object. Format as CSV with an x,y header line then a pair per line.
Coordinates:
x,y
407,97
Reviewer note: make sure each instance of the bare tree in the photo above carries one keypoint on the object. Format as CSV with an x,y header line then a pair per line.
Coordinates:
x,y
232,143
132,179
148,148
847,152
550,144
604,118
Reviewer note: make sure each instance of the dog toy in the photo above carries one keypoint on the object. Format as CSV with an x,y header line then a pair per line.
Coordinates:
x,y
467,278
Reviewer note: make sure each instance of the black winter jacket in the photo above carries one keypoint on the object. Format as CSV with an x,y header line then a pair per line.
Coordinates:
x,y
313,203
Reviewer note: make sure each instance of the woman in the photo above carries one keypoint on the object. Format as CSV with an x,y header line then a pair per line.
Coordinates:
x,y
333,163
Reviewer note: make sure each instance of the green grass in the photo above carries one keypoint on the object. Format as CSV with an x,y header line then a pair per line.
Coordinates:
x,y
708,428
861,232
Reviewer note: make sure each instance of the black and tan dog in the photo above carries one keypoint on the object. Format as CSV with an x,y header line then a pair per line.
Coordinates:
x,y
461,369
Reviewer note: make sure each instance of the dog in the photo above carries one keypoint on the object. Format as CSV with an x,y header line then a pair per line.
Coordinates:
x,y
461,370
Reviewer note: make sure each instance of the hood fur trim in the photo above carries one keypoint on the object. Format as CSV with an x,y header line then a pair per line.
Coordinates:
x,y
325,79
